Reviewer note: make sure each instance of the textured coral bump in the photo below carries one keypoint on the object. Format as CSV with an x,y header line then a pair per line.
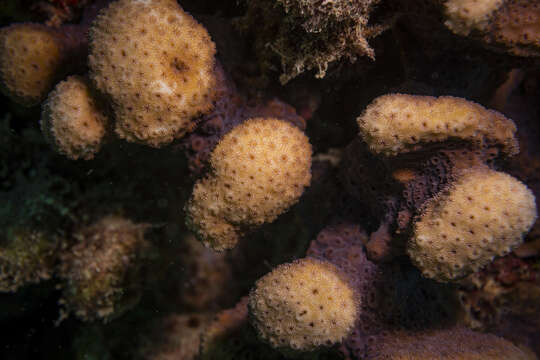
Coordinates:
x,y
303,305
72,121
156,64
482,215
259,170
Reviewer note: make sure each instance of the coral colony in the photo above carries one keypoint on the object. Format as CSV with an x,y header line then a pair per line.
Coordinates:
x,y
270,179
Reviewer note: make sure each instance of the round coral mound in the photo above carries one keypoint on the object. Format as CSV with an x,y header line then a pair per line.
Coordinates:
x,y
157,65
72,121
303,305
398,123
483,214
259,169
30,59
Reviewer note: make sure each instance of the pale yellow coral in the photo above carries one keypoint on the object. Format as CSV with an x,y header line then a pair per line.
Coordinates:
x,y
72,121
156,63
30,59
259,169
512,25
397,123
484,213
303,305
465,16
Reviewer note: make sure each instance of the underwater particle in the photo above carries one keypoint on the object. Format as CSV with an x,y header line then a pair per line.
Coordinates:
x,y
26,257
483,214
397,123
156,64
446,344
259,169
31,57
72,121
101,271
303,305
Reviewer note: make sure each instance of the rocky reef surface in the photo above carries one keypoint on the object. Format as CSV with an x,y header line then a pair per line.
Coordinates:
x,y
260,179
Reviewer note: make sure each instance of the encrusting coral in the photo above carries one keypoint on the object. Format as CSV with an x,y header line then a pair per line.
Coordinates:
x,y
259,169
303,305
100,271
508,286
156,64
72,121
483,214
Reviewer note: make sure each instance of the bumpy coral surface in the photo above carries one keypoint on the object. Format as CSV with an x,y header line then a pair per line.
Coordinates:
x,y
512,25
72,121
100,271
303,305
467,15
516,26
397,123
30,59
483,214
156,63
448,344
259,169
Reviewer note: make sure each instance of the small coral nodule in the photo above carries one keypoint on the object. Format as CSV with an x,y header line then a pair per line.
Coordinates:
x,y
72,121
101,270
259,169
303,305
398,123
31,56
156,63
483,214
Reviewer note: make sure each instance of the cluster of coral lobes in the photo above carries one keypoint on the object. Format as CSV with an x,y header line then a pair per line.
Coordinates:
x,y
270,179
